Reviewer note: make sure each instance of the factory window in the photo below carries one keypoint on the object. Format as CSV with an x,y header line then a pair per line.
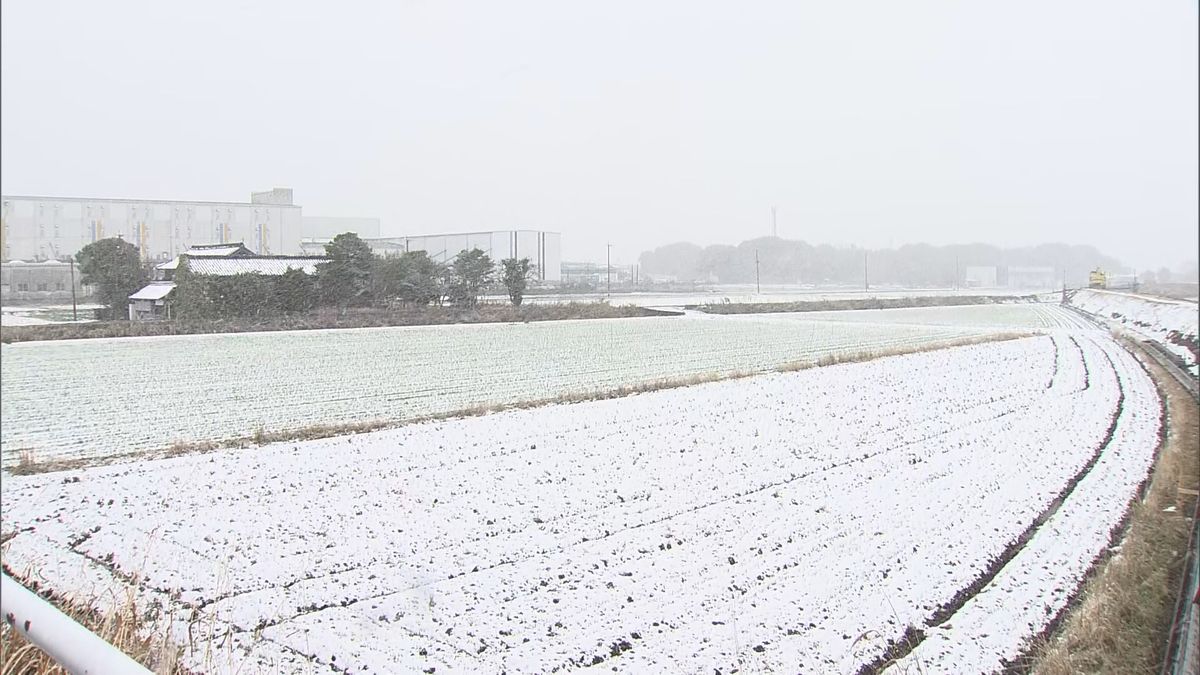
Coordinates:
x,y
43,287
22,287
58,286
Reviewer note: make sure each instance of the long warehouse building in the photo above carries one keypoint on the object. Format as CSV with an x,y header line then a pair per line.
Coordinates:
x,y
544,249
52,228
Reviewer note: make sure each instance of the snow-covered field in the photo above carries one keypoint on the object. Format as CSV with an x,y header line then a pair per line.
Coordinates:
x,y
14,319
745,293
983,317
788,522
89,398
22,315
1163,320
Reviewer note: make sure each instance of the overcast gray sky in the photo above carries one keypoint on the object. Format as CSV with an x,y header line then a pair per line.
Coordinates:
x,y
638,123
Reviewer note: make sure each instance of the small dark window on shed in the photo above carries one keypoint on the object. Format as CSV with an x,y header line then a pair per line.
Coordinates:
x,y
43,287
59,286
22,287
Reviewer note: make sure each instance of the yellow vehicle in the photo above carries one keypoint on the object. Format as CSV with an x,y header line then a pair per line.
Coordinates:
x,y
1097,278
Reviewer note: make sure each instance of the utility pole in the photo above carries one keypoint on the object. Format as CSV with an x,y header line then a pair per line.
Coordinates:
x,y
74,311
757,284
608,268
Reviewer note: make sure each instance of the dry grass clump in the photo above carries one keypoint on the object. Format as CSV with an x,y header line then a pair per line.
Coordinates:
x,y
868,355
25,460
122,624
28,463
1123,616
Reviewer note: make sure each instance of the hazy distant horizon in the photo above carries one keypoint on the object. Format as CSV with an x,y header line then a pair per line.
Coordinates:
x,y
638,125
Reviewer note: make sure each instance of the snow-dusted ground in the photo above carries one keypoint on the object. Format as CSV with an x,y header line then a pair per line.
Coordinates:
x,y
1152,317
89,398
7,319
23,315
745,293
983,317
766,523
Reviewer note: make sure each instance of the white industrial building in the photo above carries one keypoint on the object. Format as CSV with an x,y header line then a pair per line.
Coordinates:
x,y
980,277
52,228
544,249
1034,278
1024,278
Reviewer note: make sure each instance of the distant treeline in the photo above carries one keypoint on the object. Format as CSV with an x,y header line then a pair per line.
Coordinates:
x,y
783,261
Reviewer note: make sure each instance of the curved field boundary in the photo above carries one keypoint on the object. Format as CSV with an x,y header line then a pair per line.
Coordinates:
x,y
759,523
1096,507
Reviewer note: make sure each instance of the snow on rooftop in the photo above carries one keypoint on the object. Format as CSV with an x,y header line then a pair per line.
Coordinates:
x,y
216,250
272,266
153,292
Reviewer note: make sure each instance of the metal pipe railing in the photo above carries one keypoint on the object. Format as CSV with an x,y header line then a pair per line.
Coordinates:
x,y
1183,640
76,648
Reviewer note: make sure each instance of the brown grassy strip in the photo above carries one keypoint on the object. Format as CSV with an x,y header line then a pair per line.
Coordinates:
x,y
1120,620
860,303
29,464
121,623
331,318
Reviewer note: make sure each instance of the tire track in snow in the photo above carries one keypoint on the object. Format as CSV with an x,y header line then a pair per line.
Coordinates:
x,y
914,636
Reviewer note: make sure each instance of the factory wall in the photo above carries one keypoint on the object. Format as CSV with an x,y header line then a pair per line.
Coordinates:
x,y
47,228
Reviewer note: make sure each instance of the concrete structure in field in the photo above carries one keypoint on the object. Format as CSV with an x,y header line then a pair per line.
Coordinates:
x,y
54,228
544,249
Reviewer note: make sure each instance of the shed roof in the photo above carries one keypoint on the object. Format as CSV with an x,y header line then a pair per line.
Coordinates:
x,y
156,291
